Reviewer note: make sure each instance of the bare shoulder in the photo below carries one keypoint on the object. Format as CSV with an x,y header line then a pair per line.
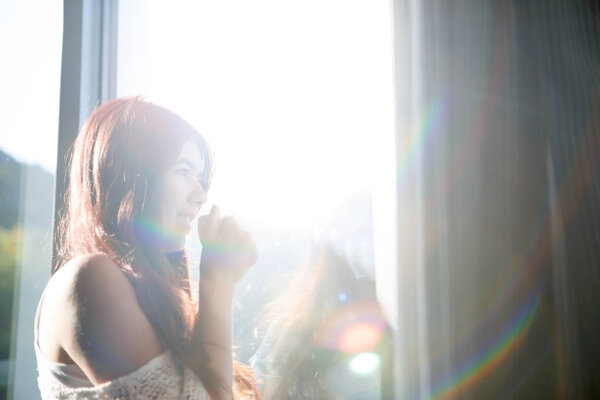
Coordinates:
x,y
63,298
97,320
88,281
88,276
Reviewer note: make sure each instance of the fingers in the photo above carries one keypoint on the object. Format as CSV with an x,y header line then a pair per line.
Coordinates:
x,y
228,226
228,251
251,252
223,231
208,224
213,224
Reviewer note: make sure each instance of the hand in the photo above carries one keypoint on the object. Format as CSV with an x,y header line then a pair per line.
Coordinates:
x,y
227,250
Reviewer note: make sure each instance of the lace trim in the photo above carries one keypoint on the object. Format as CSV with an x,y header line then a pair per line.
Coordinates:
x,y
158,379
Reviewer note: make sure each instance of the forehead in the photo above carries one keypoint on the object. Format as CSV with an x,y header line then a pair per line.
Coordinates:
x,y
190,154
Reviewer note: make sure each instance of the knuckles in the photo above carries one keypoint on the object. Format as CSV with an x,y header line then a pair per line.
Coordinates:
x,y
227,248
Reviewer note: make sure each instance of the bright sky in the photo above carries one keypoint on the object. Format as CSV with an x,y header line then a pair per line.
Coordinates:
x,y
295,97
30,54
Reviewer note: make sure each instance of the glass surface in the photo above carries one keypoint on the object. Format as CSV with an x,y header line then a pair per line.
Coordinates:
x,y
295,99
30,44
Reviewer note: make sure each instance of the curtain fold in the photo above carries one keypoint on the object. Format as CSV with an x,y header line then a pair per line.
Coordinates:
x,y
498,199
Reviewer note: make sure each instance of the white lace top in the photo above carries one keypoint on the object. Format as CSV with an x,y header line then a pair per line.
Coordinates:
x,y
158,379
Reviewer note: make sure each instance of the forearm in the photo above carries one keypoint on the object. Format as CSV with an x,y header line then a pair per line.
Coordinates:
x,y
213,332
227,253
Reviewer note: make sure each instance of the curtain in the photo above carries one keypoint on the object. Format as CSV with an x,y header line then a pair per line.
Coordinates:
x,y
498,194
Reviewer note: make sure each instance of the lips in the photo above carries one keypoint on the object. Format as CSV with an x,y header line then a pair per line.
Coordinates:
x,y
186,219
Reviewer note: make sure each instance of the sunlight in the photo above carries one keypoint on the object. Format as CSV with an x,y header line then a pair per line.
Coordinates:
x,y
293,97
364,363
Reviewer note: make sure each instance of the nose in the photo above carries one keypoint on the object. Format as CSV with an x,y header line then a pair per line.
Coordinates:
x,y
197,193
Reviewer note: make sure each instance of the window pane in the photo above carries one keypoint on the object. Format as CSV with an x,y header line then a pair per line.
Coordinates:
x,y
30,37
296,101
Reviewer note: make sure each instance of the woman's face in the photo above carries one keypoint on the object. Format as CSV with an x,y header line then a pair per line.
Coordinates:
x,y
177,198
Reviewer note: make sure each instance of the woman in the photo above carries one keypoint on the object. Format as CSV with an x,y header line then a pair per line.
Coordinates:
x,y
118,317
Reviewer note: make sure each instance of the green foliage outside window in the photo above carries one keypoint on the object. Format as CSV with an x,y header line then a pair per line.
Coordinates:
x,y
9,243
10,240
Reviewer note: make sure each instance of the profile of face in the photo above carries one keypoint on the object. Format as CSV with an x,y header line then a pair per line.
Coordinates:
x,y
177,198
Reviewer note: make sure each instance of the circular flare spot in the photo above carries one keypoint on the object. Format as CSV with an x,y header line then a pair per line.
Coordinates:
x,y
360,337
364,363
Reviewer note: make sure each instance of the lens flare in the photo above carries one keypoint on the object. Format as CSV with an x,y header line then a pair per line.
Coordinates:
x,y
360,337
364,363
484,363
353,328
152,229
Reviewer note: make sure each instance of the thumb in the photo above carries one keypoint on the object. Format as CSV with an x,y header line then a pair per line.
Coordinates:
x,y
208,224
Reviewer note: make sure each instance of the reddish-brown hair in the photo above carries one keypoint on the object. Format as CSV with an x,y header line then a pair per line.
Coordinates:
x,y
115,161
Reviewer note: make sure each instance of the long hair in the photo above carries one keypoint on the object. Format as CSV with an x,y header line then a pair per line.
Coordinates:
x,y
300,352
302,341
116,159
295,366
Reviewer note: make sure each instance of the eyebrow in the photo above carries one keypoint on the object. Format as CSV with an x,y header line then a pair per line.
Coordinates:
x,y
188,162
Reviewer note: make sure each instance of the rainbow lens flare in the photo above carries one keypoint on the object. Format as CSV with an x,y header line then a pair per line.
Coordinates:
x,y
354,328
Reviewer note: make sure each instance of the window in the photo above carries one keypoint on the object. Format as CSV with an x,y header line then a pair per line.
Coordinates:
x,y
31,34
295,98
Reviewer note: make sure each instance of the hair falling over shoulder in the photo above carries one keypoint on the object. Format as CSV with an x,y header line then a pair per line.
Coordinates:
x,y
114,164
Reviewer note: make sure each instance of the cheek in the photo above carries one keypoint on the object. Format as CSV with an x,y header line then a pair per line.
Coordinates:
x,y
173,194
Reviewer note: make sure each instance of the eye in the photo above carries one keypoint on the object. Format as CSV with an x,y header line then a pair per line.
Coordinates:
x,y
182,171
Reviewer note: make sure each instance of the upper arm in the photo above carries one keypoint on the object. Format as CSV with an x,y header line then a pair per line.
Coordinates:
x,y
107,334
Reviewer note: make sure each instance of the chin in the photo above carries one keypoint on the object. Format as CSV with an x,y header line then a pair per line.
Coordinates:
x,y
172,245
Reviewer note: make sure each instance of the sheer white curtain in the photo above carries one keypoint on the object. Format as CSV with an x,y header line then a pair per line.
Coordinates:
x,y
497,170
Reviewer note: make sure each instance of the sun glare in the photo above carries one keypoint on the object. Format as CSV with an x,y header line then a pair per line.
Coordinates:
x,y
364,363
293,96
